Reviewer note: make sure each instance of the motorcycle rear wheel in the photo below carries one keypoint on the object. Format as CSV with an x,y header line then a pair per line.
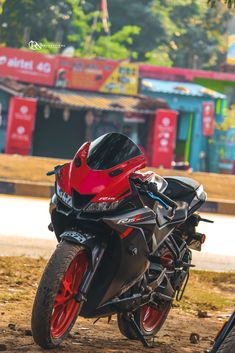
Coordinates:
x,y
55,309
149,320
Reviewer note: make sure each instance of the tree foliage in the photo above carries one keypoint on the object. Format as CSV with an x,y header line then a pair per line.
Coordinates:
x,y
186,33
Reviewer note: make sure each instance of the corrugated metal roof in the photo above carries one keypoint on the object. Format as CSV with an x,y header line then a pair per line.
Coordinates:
x,y
102,101
181,88
97,101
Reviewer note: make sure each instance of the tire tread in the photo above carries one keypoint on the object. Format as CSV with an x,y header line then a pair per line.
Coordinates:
x,y
46,293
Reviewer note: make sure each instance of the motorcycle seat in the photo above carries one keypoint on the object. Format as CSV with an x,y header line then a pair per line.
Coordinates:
x,y
188,182
181,188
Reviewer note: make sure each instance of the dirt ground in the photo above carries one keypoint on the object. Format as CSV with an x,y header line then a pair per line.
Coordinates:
x,y
210,292
34,169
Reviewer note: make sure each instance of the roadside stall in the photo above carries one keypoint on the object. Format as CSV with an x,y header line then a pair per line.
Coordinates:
x,y
54,122
199,109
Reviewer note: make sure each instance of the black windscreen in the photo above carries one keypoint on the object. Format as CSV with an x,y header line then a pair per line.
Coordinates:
x,y
110,150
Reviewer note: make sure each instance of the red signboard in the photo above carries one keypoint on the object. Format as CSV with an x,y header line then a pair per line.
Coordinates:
x,y
20,125
208,118
27,66
163,140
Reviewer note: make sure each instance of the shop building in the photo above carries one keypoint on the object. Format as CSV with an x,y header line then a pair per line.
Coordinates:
x,y
198,110
61,102
62,120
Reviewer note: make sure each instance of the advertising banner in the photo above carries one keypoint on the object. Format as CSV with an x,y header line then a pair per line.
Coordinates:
x,y
27,66
208,118
20,125
163,141
95,75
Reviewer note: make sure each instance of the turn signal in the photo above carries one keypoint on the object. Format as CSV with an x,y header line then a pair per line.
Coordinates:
x,y
199,237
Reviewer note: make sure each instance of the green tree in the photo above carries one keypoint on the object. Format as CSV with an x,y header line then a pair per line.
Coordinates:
x,y
26,20
186,33
71,22
88,37
199,41
1,5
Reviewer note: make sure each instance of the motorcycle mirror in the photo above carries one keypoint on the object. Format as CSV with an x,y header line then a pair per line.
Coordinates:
x,y
56,169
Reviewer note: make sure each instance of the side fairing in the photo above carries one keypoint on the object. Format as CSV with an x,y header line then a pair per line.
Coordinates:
x,y
134,250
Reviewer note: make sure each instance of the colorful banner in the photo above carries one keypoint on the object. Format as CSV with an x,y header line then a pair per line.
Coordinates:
x,y
123,80
231,50
97,75
208,118
20,125
163,140
27,66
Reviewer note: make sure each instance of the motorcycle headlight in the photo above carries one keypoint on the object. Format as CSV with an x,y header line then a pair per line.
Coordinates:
x,y
101,206
63,196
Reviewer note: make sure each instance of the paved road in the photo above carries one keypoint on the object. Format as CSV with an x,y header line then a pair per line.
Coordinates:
x,y
23,231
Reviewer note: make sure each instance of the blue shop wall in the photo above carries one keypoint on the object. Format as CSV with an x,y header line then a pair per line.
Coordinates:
x,y
4,101
188,105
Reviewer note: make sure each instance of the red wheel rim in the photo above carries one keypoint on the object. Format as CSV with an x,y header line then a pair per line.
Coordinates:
x,y
151,317
65,306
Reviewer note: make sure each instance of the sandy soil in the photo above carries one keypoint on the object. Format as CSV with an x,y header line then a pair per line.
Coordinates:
x,y
26,168
206,291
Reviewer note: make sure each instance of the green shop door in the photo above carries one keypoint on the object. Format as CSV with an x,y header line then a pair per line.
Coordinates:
x,y
183,137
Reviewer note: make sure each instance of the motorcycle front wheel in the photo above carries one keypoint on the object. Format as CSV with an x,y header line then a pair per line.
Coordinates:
x,y
55,309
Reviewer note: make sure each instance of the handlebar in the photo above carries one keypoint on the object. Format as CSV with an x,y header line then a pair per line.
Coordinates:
x,y
152,187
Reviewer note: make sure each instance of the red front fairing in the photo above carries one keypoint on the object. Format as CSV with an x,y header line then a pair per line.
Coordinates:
x,y
87,181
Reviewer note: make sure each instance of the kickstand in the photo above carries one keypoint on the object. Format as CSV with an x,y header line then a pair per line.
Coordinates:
x,y
139,333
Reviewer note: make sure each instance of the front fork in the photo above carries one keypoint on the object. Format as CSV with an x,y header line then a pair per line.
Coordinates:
x,y
96,251
97,255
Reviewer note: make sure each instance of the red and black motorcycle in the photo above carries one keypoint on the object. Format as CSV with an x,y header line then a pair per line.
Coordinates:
x,y
124,240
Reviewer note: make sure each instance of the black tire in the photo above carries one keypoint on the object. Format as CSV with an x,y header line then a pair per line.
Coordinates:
x,y
127,330
125,327
228,345
47,290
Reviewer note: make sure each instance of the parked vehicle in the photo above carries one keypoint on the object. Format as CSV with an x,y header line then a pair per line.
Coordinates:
x,y
225,339
124,243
